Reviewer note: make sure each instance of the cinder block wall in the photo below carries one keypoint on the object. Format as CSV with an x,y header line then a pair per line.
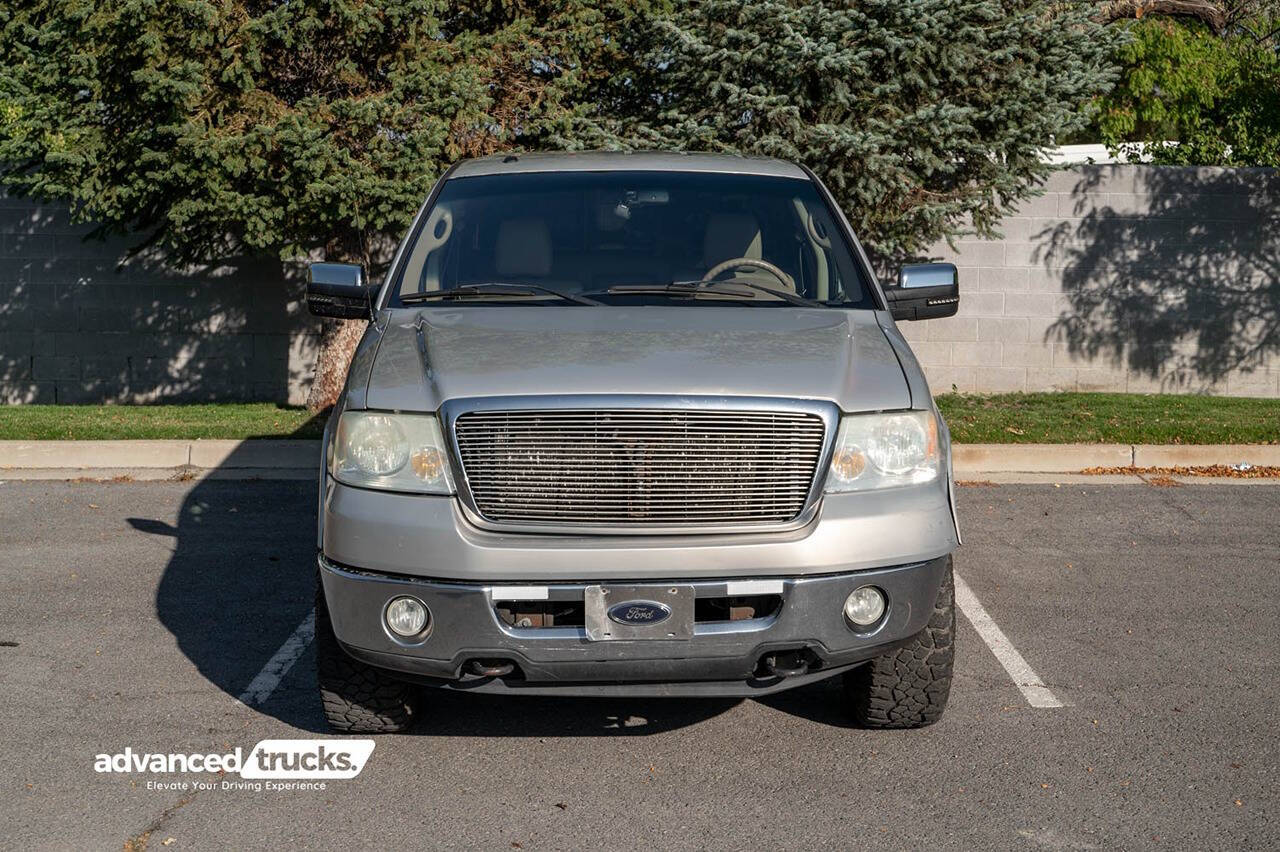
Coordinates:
x,y
80,324
1120,278
1125,278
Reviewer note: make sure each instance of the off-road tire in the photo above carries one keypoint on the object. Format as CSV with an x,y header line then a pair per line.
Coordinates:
x,y
358,698
909,687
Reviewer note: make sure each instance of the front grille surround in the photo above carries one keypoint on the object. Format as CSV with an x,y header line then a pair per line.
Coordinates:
x,y
627,465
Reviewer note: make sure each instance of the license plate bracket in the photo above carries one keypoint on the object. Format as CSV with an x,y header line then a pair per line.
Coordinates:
x,y
648,612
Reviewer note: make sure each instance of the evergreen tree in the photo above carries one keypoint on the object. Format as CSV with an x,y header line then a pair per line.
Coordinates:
x,y
924,117
210,126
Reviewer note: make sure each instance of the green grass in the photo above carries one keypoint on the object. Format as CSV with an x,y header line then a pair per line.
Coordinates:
x,y
1120,418
85,422
1051,418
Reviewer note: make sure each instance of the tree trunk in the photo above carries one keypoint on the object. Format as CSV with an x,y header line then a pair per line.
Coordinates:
x,y
1214,14
338,340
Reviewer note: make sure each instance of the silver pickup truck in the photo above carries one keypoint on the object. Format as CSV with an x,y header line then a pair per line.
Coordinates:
x,y
633,424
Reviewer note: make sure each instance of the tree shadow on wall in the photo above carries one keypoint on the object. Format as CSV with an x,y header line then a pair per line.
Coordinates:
x,y
1179,281
84,320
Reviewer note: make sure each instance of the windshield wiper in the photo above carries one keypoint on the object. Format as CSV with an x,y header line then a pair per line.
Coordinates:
x,y
785,296
496,288
691,287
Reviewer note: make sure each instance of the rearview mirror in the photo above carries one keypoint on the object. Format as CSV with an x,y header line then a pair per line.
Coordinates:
x,y
338,290
925,291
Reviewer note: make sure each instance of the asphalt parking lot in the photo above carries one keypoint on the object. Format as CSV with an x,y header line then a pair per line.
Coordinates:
x,y
134,615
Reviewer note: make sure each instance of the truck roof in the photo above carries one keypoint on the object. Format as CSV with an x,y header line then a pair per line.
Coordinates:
x,y
608,161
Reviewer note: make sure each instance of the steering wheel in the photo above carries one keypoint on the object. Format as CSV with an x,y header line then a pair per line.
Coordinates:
x,y
737,262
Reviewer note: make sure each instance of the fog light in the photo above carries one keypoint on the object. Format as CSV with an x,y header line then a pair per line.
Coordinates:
x,y
864,606
406,617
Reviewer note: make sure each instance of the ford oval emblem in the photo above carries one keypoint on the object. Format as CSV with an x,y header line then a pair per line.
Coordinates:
x,y
637,613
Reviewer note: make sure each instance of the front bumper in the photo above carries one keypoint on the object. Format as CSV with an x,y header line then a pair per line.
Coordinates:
x,y
721,658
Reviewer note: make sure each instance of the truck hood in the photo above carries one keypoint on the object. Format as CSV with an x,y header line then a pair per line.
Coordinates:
x,y
426,357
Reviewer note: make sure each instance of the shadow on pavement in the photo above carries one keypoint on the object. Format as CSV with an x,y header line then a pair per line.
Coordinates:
x,y
451,714
240,579
822,702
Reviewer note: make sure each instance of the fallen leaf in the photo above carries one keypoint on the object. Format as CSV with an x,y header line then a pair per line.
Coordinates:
x,y
1014,430
168,841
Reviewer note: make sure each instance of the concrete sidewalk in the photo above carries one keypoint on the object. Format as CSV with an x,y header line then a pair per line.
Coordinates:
x,y
291,459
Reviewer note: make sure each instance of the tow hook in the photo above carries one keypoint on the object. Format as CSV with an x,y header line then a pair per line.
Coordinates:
x,y
786,663
491,668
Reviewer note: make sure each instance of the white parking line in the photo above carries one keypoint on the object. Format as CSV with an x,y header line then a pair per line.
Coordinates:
x,y
1032,687
266,681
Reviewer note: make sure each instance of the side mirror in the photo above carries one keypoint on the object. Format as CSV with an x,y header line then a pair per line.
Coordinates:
x,y
338,290
925,291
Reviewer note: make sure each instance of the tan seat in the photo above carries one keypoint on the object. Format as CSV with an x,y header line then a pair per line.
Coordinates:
x,y
522,253
733,235
730,235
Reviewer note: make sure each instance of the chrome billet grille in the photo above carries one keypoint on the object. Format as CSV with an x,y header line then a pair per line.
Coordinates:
x,y
639,467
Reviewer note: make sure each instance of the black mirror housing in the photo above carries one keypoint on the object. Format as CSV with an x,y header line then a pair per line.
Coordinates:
x,y
338,290
925,291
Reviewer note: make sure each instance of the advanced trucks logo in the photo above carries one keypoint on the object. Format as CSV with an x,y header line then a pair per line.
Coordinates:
x,y
270,759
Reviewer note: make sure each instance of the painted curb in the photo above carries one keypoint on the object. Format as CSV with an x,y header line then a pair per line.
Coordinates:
x,y
283,454
86,455
1037,458
1182,455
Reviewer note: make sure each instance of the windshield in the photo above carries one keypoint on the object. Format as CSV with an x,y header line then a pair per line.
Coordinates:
x,y
631,238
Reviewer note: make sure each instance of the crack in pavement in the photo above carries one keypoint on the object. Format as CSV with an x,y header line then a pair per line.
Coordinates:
x,y
138,843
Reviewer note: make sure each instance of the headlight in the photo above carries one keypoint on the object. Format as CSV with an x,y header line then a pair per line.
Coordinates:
x,y
398,452
884,450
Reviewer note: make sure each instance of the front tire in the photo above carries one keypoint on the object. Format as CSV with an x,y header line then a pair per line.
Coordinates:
x,y
909,687
358,698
